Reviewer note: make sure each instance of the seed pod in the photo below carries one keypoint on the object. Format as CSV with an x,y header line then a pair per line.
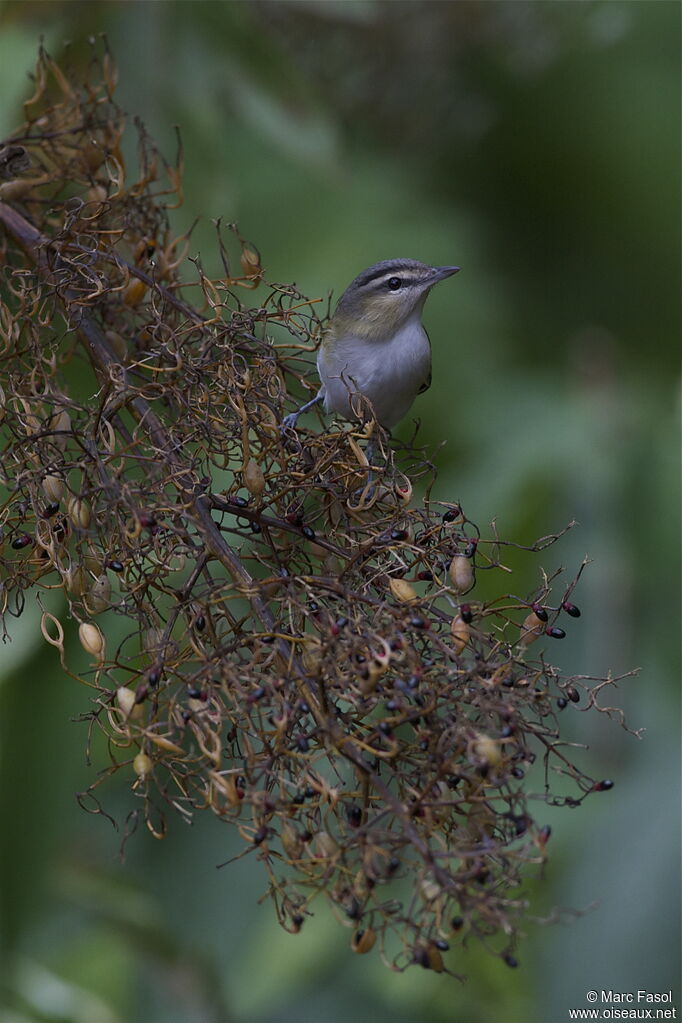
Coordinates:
x,y
77,581
93,561
363,941
10,191
79,512
292,843
119,347
91,640
487,749
402,590
461,572
134,291
250,263
325,846
311,657
31,422
461,633
142,766
430,889
152,640
126,700
531,628
98,599
93,156
53,488
60,423
254,480
97,193
165,744
434,960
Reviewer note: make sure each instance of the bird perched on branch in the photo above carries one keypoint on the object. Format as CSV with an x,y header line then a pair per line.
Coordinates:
x,y
375,356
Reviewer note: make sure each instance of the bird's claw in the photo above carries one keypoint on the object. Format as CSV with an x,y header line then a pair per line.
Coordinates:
x,y
289,422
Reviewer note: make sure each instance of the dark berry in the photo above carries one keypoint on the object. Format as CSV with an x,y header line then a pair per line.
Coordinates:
x,y
354,815
539,612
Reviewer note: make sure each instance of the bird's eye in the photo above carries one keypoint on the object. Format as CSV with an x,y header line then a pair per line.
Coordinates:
x,y
394,283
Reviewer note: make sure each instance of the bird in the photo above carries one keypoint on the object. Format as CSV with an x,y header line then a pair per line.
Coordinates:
x,y
375,355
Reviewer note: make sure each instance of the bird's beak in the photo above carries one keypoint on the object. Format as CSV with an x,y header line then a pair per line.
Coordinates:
x,y
441,272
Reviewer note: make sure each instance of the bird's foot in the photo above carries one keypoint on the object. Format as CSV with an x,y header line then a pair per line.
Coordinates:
x,y
289,422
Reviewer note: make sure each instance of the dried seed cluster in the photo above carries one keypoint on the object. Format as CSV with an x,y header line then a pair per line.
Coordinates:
x,y
269,637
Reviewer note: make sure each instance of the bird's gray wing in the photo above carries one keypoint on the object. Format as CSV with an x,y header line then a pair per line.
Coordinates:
x,y
427,383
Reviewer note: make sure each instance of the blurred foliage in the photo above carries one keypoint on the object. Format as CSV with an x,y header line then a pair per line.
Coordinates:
x,y
537,145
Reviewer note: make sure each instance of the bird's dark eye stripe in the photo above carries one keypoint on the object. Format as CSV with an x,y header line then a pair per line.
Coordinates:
x,y
382,277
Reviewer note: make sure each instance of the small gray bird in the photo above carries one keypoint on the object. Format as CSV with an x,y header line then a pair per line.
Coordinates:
x,y
375,346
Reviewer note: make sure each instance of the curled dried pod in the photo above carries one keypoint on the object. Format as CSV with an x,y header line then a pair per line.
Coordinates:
x,y
402,590
461,572
53,488
531,629
107,436
403,491
461,633
91,639
364,941
79,512
142,766
254,480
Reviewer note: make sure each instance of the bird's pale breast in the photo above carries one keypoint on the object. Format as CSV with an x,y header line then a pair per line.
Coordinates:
x,y
389,373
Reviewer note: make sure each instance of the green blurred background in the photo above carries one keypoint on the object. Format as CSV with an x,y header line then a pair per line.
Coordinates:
x,y
537,146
